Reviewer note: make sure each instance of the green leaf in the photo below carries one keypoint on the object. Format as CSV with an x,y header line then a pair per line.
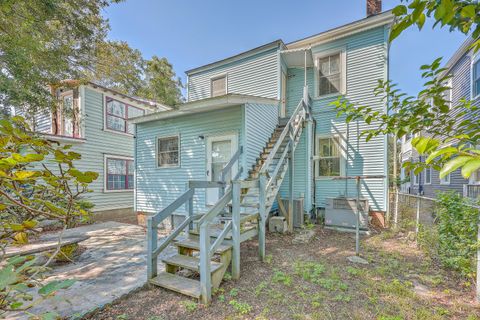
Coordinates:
x,y
399,10
453,165
468,11
54,286
440,152
7,277
470,167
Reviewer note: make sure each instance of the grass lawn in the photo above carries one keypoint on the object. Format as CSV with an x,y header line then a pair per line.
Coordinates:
x,y
314,280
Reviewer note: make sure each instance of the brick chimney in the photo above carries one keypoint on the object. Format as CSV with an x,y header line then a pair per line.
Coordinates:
x,y
374,7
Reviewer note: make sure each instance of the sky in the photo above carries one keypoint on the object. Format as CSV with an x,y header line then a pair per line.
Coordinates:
x,y
191,33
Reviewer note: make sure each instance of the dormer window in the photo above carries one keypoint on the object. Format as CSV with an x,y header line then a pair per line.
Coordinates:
x,y
218,86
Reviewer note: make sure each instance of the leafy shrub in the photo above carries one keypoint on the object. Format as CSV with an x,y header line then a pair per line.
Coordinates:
x,y
457,233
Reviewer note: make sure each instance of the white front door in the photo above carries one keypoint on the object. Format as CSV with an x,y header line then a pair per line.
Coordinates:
x,y
219,152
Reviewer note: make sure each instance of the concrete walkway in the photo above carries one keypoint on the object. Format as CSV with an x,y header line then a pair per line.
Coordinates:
x,y
113,264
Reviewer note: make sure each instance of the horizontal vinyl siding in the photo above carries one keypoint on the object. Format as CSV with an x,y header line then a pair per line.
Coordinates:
x,y
366,55
100,142
260,122
256,75
158,187
461,89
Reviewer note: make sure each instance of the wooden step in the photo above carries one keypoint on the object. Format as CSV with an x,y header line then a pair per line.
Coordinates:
x,y
215,231
186,286
190,263
193,244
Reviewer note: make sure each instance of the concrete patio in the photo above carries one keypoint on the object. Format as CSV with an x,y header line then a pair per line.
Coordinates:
x,y
113,265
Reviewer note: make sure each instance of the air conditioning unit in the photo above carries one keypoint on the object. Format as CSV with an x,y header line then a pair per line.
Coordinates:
x,y
298,212
341,212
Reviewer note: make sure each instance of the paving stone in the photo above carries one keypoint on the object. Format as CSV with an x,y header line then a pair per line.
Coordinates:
x,y
113,265
356,259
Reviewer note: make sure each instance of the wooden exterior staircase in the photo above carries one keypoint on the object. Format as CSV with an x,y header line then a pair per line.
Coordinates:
x,y
211,241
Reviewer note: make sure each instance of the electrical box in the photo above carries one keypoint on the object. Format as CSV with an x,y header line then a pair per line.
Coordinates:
x,y
341,212
277,224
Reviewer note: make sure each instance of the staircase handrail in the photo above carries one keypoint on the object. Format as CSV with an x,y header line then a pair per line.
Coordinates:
x,y
301,106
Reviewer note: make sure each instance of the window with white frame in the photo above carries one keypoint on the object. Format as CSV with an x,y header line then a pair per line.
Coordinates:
x,y
475,177
416,179
329,156
119,173
445,180
476,78
168,152
448,94
330,74
67,115
218,86
117,114
428,176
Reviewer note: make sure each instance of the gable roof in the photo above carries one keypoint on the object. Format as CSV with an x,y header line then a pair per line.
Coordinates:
x,y
370,22
242,55
464,48
384,18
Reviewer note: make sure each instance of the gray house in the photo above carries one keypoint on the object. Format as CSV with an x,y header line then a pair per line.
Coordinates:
x,y
94,120
464,67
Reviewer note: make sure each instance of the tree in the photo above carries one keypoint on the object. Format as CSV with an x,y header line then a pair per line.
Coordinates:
x,y
45,42
38,181
448,138
162,83
120,67
459,15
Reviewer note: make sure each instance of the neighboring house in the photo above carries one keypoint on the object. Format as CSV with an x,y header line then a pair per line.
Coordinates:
x,y
464,68
240,101
93,119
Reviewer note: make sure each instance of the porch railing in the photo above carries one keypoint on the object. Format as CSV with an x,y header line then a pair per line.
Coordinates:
x,y
154,249
270,173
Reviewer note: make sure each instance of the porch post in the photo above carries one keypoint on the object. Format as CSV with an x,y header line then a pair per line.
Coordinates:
x,y
263,215
236,189
290,179
152,242
309,182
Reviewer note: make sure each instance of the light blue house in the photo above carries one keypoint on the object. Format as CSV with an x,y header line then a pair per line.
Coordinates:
x,y
263,120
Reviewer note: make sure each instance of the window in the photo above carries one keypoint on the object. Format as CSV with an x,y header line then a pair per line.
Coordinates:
x,y
416,179
218,86
448,94
476,78
475,177
330,74
119,173
117,114
329,157
428,176
168,152
445,180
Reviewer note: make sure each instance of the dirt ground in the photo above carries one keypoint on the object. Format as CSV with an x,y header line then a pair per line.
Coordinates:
x,y
315,280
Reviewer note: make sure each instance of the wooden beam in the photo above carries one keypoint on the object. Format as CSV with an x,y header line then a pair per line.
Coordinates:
x,y
236,191
263,215
152,241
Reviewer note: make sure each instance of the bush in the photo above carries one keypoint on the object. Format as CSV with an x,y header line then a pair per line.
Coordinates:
x,y
453,239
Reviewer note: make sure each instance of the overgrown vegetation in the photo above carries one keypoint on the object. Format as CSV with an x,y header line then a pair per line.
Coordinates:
x,y
38,181
453,239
